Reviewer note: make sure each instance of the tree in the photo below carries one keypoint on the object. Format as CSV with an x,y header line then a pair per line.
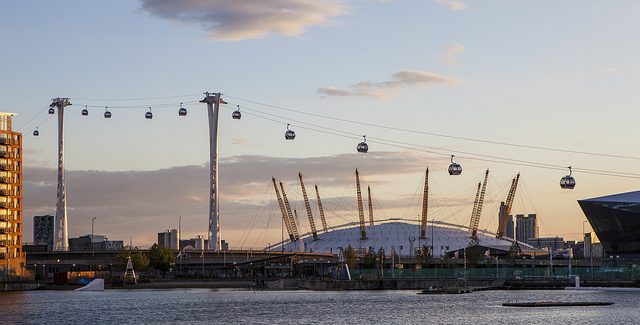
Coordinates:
x,y
161,258
423,255
350,257
139,260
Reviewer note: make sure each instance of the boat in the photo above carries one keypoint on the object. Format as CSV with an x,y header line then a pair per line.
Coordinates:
x,y
453,290
556,303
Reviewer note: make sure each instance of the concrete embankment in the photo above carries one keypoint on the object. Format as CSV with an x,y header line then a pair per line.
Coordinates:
x,y
393,284
19,286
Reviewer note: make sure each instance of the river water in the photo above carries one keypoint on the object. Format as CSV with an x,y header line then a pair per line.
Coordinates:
x,y
194,306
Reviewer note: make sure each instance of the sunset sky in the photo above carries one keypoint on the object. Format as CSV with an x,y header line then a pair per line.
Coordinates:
x,y
559,75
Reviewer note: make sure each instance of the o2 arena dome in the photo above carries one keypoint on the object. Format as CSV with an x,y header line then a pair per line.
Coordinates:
x,y
399,235
402,236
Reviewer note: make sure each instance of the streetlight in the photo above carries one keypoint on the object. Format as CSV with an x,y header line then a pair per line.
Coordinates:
x,y
92,247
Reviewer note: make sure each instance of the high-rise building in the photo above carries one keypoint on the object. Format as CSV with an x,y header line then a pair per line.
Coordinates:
x,y
587,245
12,257
168,239
43,230
552,243
526,227
510,231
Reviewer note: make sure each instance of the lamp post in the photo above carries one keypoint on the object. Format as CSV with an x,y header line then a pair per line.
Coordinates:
x,y
92,247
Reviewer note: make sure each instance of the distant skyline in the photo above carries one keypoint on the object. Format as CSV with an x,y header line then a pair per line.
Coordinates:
x,y
550,74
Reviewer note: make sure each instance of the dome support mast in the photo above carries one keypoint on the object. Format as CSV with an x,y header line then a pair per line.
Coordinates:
x,y
370,207
306,204
425,206
324,220
285,217
503,219
363,232
292,221
477,210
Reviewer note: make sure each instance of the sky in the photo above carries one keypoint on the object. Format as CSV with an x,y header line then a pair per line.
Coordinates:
x,y
554,74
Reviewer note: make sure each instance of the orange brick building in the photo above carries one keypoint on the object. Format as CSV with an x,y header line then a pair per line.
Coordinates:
x,y
12,258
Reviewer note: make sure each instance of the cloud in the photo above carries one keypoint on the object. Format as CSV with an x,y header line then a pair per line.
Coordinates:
x,y
453,50
379,90
607,70
248,19
139,204
452,4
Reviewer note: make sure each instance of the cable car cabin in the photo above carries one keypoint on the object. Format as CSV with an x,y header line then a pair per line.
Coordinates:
x,y
289,135
567,182
148,115
237,115
36,132
363,146
182,111
51,110
107,114
455,169
85,112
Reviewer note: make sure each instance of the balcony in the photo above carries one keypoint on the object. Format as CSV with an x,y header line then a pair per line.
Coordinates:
x,y
6,180
7,205
5,141
6,167
6,193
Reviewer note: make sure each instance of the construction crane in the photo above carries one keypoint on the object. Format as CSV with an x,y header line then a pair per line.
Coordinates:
x,y
370,207
285,217
312,223
477,210
425,206
324,221
363,232
505,208
292,221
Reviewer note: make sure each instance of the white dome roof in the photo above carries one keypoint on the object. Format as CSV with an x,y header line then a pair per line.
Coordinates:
x,y
396,233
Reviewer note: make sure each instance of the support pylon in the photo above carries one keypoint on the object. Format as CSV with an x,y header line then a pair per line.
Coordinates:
x,y
61,235
213,234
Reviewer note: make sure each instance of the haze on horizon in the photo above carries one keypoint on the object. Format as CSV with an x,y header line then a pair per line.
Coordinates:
x,y
550,74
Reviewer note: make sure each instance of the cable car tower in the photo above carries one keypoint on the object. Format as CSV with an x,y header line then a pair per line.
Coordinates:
x,y
213,106
60,228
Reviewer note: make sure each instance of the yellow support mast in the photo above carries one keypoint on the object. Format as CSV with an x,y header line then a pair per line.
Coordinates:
x,y
477,209
285,217
306,204
363,232
503,218
425,206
